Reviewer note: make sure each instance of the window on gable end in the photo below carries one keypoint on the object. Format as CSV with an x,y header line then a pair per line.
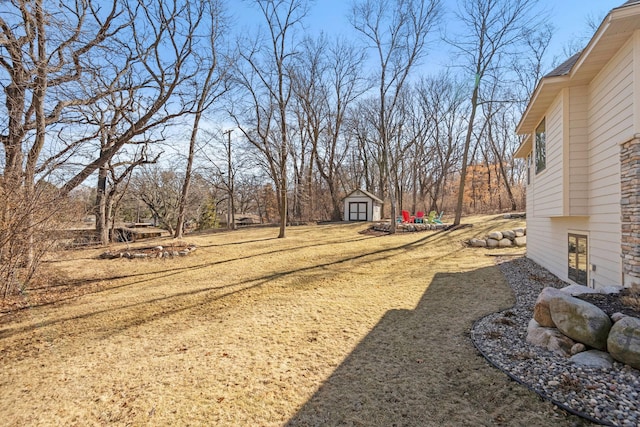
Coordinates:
x,y
541,147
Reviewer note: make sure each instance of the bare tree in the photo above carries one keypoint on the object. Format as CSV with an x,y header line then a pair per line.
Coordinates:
x,y
397,31
160,49
441,101
264,76
501,141
58,59
327,81
529,68
160,187
491,29
215,84
43,55
111,178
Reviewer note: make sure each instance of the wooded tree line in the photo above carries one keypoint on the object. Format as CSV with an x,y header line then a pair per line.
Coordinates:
x,y
153,107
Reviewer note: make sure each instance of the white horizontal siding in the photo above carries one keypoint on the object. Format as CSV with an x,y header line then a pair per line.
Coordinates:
x,y
547,242
547,190
610,123
578,151
605,255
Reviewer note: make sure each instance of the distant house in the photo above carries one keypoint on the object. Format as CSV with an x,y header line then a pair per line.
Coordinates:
x,y
360,205
582,151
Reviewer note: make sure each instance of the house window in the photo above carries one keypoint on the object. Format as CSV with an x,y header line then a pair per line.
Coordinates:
x,y
541,147
529,169
578,258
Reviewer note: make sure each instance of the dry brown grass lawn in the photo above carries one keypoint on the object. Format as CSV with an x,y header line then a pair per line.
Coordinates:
x,y
325,327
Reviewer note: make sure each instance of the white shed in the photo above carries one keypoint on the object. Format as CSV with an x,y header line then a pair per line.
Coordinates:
x,y
360,205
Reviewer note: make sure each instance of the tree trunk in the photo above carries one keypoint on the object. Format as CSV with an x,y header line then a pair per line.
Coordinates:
x,y
282,207
102,220
465,153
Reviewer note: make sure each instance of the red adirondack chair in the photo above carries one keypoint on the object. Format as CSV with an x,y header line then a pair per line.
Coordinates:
x,y
406,217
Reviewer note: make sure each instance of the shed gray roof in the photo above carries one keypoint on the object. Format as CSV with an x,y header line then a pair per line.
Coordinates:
x,y
630,2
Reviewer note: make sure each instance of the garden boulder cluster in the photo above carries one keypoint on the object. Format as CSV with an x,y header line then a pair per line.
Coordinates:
x,y
570,326
386,226
501,239
151,252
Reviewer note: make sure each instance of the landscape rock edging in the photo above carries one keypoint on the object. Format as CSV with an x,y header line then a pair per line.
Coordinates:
x,y
501,239
152,252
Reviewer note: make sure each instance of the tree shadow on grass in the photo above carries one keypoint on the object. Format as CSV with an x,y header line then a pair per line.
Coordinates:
x,y
154,308
420,368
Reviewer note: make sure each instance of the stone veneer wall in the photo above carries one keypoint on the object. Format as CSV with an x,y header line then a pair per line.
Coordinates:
x,y
630,209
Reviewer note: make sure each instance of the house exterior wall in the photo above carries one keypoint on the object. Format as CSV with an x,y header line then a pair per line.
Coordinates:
x,y
580,190
545,198
577,168
610,124
548,188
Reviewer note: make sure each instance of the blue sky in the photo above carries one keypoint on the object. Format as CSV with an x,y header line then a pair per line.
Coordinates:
x,y
569,17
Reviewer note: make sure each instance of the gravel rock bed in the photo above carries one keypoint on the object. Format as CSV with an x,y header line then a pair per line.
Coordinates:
x,y
608,397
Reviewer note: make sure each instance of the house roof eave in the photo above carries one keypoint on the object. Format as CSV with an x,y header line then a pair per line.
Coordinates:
x,y
610,36
525,147
542,97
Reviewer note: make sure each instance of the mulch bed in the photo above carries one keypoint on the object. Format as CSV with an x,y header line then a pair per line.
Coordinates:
x,y
626,302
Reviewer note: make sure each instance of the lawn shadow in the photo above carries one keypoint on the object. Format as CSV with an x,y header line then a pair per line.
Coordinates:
x,y
182,301
419,367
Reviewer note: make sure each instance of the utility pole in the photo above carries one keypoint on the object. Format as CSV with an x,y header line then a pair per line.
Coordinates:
x,y
231,218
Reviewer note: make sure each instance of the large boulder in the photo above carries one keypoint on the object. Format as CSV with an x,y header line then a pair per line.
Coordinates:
x,y
495,235
520,241
505,243
624,341
550,338
492,243
509,234
519,232
541,312
478,243
579,290
593,359
580,320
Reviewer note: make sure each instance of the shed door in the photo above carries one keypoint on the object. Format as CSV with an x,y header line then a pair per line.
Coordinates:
x,y
358,211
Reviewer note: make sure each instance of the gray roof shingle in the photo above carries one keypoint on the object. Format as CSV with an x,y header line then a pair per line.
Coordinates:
x,y
564,68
